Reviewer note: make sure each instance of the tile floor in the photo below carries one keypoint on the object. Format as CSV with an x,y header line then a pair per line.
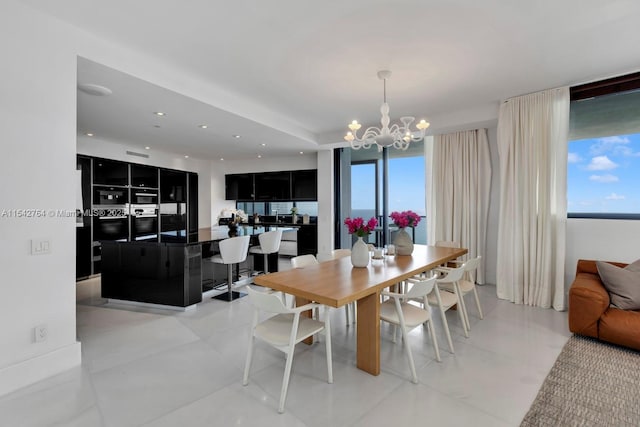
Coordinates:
x,y
152,367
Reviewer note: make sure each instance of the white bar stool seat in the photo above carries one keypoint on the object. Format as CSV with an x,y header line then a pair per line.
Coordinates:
x,y
232,251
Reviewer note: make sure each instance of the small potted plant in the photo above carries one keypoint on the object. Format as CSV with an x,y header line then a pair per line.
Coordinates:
x,y
294,215
360,251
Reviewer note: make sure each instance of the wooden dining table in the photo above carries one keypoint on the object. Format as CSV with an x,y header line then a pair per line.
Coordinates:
x,y
336,282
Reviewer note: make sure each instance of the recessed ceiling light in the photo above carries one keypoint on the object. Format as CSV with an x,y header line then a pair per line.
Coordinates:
x,y
302,152
259,156
159,113
203,126
236,136
221,159
263,144
95,90
186,157
156,126
89,134
147,148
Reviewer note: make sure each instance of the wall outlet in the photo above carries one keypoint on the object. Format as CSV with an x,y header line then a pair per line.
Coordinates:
x,y
40,246
40,333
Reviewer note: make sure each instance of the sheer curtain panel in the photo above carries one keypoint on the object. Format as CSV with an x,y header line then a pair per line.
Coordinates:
x,y
459,180
532,145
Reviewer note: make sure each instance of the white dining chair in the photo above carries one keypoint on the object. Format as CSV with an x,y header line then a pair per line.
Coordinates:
x,y
283,331
468,284
232,251
302,261
269,244
398,311
335,254
444,300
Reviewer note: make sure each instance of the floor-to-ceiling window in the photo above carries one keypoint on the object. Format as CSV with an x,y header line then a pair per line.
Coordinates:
x,y
405,177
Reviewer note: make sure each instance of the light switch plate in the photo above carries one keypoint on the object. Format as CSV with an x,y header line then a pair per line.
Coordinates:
x,y
40,246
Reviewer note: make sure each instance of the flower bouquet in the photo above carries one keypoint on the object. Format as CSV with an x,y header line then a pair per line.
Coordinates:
x,y
405,218
360,251
402,241
358,227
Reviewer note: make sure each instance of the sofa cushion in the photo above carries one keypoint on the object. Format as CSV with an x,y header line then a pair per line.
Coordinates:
x,y
623,284
621,327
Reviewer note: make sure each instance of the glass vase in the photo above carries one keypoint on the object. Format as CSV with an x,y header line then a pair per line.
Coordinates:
x,y
403,243
360,253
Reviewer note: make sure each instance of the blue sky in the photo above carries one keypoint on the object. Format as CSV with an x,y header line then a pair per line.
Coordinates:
x,y
603,175
406,185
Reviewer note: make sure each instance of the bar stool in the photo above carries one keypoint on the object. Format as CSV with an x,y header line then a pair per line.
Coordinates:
x,y
269,244
232,251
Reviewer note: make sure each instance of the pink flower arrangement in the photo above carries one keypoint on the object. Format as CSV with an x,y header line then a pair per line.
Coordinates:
x,y
405,219
358,226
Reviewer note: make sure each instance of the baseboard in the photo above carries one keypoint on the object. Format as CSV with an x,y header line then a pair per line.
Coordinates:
x,y
38,368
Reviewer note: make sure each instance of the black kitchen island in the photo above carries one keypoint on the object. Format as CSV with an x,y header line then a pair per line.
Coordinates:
x,y
170,272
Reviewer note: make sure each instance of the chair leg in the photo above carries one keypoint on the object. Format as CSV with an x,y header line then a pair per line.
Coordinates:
x,y
475,294
444,318
285,380
346,310
462,307
247,365
327,333
230,280
434,339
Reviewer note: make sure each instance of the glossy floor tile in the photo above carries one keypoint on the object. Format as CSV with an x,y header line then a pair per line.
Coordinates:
x,y
157,367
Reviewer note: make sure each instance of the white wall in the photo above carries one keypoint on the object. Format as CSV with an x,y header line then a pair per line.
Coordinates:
x,y
97,147
37,133
600,239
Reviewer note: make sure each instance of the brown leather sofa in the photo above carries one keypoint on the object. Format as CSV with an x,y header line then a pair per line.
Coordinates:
x,y
591,315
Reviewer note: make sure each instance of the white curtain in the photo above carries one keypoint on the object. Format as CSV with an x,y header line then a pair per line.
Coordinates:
x,y
459,180
532,145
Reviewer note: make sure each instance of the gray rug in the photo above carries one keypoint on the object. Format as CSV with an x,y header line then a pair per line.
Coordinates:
x,y
591,384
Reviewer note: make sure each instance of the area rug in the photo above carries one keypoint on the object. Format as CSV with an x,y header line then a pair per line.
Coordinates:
x,y
591,384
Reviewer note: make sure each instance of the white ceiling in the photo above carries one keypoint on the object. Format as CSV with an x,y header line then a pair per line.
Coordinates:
x,y
315,63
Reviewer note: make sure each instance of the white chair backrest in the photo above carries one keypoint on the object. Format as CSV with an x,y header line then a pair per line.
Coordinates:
x,y
267,302
303,261
472,264
234,249
453,275
270,241
421,287
340,253
447,244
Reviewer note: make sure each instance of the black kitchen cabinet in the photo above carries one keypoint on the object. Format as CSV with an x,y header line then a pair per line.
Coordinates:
x,y
173,186
273,186
108,186
308,239
239,187
110,172
192,205
144,176
304,184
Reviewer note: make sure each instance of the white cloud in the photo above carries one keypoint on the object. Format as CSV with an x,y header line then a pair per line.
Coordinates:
x,y
601,163
604,179
607,144
574,158
614,196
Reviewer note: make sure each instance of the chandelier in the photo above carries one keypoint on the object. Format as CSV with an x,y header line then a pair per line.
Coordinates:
x,y
397,136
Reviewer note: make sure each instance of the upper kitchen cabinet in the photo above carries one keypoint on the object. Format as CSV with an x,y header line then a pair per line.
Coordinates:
x,y
305,185
144,176
173,186
239,187
110,172
273,186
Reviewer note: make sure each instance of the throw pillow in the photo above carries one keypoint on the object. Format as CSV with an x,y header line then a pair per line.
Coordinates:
x,y
623,284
